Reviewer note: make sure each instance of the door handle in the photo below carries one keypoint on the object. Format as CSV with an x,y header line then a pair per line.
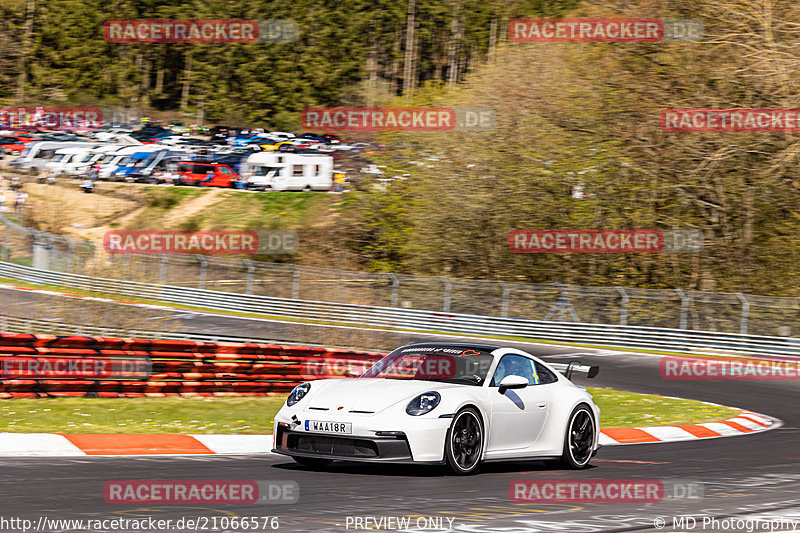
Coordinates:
x,y
542,405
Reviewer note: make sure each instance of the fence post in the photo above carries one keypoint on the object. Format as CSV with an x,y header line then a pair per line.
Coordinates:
x,y
448,287
339,285
504,303
251,269
203,267
745,313
295,282
623,311
162,271
5,241
71,253
395,287
684,308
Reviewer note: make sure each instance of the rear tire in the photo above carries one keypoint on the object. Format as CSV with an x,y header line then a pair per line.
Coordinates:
x,y
580,438
313,462
463,446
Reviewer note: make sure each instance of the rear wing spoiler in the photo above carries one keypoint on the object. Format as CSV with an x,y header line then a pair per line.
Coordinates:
x,y
575,366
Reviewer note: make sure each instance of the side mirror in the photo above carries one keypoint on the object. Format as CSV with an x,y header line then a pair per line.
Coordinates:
x,y
512,382
356,371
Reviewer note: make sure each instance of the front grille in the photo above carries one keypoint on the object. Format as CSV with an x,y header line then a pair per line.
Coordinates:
x,y
339,446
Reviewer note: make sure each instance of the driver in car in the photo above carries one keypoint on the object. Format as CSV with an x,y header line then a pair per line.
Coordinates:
x,y
516,366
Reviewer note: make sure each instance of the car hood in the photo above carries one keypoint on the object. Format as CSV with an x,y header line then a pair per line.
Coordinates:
x,y
365,395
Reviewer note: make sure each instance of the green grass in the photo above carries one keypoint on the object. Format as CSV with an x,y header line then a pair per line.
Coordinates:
x,y
254,415
264,210
139,415
628,409
168,197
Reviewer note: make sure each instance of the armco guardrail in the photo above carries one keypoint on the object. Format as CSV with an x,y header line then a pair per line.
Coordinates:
x,y
35,366
675,340
11,324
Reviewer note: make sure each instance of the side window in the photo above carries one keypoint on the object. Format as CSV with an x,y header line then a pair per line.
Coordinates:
x,y
516,365
225,170
317,170
297,170
545,375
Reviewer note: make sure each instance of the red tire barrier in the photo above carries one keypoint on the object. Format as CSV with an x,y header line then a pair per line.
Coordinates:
x,y
175,367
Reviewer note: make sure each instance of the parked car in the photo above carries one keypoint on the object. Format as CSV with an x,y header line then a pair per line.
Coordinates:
x,y
203,174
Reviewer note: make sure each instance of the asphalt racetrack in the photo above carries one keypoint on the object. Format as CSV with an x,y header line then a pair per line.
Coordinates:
x,y
743,478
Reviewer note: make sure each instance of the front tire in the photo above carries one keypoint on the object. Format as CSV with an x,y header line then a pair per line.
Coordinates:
x,y
580,438
464,445
313,462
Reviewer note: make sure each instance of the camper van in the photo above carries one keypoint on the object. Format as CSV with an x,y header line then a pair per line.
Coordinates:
x,y
35,156
69,160
122,157
278,171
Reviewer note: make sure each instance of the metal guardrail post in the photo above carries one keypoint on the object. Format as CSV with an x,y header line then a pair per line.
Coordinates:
x,y
251,270
395,288
203,268
448,289
623,309
506,297
745,313
684,308
162,271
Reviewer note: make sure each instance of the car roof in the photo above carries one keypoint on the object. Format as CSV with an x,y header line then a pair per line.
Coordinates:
x,y
482,347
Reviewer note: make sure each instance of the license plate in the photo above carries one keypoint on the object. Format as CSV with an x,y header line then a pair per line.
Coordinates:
x,y
341,428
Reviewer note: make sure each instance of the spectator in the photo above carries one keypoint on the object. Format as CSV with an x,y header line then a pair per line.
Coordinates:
x,y
87,186
19,200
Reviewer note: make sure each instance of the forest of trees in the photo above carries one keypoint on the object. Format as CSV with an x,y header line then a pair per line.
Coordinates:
x,y
358,52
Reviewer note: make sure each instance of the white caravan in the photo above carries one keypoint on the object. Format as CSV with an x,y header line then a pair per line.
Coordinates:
x,y
284,171
36,155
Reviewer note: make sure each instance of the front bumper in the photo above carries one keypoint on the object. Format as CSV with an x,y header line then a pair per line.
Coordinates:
x,y
344,447
417,440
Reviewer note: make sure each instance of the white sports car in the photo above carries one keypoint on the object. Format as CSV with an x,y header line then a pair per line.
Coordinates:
x,y
436,403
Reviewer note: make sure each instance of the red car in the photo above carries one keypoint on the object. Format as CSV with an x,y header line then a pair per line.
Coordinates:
x,y
14,144
206,174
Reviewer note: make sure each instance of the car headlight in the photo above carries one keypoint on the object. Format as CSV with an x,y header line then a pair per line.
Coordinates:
x,y
424,403
297,394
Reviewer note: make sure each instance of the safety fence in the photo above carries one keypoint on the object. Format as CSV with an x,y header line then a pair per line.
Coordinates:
x,y
621,306
657,338
38,366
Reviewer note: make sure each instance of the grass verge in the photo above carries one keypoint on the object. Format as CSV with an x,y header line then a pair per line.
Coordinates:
x,y
254,415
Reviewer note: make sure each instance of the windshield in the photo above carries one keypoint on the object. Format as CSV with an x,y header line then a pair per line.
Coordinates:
x,y
448,364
